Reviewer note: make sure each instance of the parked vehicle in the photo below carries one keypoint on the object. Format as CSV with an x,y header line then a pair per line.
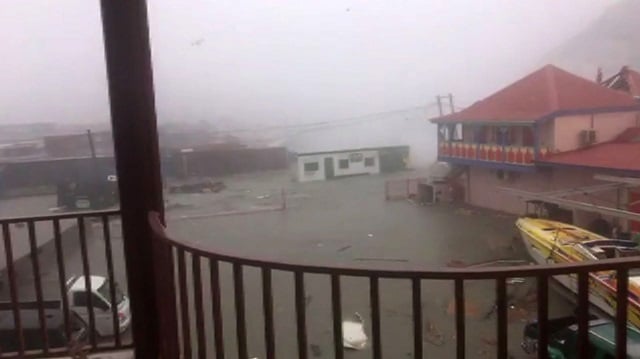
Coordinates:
x,y
101,301
563,333
32,332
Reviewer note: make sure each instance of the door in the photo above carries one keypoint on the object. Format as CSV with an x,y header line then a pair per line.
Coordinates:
x,y
103,315
328,168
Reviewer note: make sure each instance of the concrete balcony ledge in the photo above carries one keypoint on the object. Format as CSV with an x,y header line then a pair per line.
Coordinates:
x,y
121,354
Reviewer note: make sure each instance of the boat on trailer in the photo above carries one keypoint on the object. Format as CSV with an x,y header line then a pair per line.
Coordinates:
x,y
549,242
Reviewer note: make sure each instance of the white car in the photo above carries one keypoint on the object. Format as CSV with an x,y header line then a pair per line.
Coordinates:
x,y
101,301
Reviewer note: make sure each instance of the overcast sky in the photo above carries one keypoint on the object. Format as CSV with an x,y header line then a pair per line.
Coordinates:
x,y
238,62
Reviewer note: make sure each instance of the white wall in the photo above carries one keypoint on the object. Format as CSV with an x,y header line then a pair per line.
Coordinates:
x,y
607,127
355,168
304,176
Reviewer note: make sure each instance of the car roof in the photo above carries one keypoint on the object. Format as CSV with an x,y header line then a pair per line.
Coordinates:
x,y
30,318
78,282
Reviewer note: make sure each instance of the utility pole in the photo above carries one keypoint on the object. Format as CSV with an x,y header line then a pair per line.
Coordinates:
x,y
448,98
92,147
451,107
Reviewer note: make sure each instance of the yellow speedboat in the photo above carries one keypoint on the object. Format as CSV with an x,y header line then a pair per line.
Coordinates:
x,y
549,241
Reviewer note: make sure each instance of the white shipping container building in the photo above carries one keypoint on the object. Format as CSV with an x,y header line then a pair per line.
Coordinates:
x,y
319,166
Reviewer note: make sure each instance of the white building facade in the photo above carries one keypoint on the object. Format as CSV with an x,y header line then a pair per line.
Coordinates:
x,y
321,166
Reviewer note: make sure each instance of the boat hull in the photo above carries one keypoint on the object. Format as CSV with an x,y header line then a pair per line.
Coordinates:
x,y
569,282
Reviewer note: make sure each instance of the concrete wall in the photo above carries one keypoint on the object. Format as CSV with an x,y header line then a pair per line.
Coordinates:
x,y
566,136
482,190
355,168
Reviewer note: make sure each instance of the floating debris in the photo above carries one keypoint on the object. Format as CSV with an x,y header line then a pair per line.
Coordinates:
x,y
342,249
381,259
353,335
264,196
516,280
455,263
316,351
201,186
489,341
370,235
464,211
433,335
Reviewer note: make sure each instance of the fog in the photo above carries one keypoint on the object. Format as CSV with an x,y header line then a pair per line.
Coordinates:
x,y
256,63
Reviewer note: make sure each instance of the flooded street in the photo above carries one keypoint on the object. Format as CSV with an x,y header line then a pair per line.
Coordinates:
x,y
348,223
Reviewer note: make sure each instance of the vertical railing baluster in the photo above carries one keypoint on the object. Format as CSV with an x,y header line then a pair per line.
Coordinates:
x,y
241,325
86,270
62,276
374,298
35,265
416,290
336,310
622,298
501,309
13,288
184,305
301,314
583,315
197,297
460,319
106,234
216,308
267,307
542,287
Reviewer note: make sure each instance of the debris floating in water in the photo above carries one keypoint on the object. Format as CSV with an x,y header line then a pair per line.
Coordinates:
x,y
381,259
353,335
516,280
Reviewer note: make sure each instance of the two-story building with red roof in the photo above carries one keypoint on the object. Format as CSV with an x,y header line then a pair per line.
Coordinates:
x,y
549,131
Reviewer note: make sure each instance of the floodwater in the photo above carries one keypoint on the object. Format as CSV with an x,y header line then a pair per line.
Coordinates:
x,y
347,222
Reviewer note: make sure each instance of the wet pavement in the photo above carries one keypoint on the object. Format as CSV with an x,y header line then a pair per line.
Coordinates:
x,y
344,222
347,222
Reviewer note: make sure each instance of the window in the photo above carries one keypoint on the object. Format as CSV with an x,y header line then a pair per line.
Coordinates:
x,y
99,302
80,299
311,166
369,162
457,132
343,164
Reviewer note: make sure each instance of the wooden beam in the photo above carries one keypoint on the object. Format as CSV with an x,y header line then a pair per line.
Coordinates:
x,y
135,138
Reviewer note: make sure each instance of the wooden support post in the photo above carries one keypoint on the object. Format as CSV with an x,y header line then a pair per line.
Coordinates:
x,y
133,119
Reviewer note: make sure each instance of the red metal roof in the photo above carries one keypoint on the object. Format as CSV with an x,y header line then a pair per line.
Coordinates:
x,y
547,91
619,154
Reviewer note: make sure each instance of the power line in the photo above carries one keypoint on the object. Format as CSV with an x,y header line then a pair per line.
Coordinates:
x,y
326,124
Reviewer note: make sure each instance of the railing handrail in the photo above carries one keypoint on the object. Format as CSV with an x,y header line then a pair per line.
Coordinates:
x,y
439,273
60,216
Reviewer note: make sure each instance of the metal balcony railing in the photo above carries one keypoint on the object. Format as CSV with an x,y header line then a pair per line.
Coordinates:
x,y
185,328
517,155
50,249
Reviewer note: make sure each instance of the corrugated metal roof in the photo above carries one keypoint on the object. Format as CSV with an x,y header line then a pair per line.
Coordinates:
x,y
547,91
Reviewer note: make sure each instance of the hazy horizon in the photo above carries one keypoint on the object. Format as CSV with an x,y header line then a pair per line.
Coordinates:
x,y
234,64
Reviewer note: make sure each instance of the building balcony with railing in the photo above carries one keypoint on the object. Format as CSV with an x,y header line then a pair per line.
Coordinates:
x,y
188,300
